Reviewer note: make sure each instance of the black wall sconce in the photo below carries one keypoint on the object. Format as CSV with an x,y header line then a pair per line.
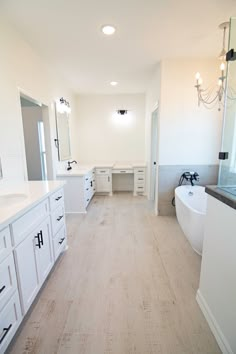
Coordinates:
x,y
122,112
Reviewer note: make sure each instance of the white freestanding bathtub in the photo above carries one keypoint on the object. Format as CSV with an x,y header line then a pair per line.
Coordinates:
x,y
190,203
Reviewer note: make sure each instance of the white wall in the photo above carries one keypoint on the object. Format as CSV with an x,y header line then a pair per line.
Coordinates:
x,y
102,135
22,68
31,116
188,134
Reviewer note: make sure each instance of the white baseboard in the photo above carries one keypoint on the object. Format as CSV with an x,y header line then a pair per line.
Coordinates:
x,y
215,328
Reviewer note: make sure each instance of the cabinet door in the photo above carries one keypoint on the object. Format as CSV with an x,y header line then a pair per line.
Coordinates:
x,y
103,183
25,256
33,262
44,256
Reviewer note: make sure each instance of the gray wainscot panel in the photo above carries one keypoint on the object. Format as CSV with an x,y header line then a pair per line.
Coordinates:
x,y
168,180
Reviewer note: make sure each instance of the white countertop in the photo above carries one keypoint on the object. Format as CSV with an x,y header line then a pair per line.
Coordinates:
x,y
82,170
18,198
75,172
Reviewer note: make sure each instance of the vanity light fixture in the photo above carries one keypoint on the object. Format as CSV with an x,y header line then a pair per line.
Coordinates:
x,y
63,106
108,30
122,112
211,96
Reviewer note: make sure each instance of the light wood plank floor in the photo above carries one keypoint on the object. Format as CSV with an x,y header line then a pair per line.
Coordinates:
x,y
126,285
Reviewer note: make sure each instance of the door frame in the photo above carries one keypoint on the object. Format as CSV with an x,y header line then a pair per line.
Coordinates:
x,y
47,132
155,179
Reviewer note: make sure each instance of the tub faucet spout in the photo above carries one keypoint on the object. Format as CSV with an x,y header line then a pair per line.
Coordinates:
x,y
194,177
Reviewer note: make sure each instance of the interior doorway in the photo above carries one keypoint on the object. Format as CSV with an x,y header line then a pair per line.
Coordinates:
x,y
153,162
36,139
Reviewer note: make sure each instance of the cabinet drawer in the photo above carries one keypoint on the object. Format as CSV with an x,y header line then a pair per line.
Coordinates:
x,y
56,198
5,243
10,318
140,170
8,282
25,224
102,171
58,219
140,178
59,242
127,170
140,188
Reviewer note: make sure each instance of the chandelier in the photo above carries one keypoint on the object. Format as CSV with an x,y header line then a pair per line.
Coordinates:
x,y
212,96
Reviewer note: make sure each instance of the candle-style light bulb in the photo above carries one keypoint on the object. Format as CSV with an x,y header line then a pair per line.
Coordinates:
x,y
197,76
220,82
200,81
222,66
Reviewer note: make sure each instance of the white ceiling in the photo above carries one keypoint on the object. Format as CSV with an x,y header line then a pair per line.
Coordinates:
x,y
67,35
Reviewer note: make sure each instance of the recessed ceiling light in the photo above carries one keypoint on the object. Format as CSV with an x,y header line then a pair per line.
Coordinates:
x,y
108,30
113,83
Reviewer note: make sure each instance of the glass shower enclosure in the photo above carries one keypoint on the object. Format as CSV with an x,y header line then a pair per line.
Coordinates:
x,y
227,171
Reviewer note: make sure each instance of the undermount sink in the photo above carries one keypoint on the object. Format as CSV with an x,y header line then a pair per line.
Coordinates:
x,y
12,198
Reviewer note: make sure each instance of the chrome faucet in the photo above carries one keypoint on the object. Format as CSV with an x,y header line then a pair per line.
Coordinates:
x,y
69,165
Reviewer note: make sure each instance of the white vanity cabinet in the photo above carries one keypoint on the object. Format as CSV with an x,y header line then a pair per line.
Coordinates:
x,y
139,180
79,189
104,180
28,249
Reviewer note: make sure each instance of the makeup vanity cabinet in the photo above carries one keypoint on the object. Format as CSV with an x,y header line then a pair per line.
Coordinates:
x,y
104,180
29,247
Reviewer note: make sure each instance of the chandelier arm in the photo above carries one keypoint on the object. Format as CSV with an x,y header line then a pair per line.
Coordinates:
x,y
207,106
209,102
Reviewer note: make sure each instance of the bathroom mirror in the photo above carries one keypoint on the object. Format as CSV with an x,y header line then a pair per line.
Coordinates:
x,y
63,135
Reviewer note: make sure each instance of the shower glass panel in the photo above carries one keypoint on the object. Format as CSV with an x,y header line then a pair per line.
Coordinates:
x,y
227,172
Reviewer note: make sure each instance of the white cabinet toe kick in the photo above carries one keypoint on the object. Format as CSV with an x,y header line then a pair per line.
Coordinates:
x,y
29,246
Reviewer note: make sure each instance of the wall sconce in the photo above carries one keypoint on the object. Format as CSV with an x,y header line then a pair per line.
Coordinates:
x,y
122,112
63,106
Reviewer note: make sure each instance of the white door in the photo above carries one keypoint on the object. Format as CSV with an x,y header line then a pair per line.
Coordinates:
x,y
25,255
153,156
44,254
103,183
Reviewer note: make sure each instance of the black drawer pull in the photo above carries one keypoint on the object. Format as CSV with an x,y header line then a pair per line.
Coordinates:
x,y
58,198
39,241
140,187
140,171
60,217
41,236
91,183
86,179
140,179
87,200
62,239
5,331
2,288
87,189
102,171
122,171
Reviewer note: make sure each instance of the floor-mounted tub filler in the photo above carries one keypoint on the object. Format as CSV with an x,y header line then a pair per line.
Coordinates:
x,y
190,204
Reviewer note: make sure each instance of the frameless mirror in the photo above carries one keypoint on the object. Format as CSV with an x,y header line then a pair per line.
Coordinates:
x,y
63,134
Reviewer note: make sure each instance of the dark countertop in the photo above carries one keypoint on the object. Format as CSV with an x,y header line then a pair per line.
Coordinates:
x,y
221,195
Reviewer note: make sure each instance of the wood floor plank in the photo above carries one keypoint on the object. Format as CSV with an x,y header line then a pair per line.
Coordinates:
x,y
126,285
